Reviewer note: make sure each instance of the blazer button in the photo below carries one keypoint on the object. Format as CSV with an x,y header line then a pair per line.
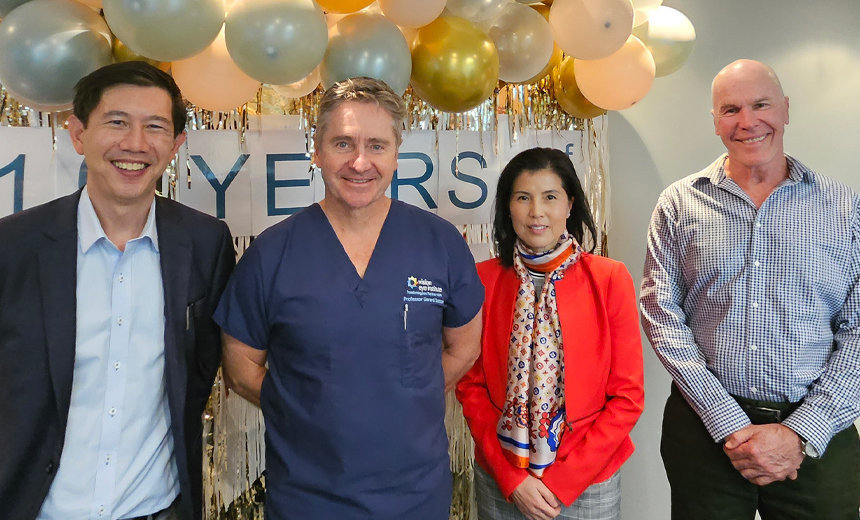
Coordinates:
x,y
50,468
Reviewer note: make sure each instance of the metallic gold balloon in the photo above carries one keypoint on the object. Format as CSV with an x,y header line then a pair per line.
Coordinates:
x,y
455,66
569,96
670,37
121,53
557,53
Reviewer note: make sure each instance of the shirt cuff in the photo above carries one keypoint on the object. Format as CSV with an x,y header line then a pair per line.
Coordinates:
x,y
724,418
809,425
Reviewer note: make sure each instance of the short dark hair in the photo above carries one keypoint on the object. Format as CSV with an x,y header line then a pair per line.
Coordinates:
x,y
363,90
89,90
532,160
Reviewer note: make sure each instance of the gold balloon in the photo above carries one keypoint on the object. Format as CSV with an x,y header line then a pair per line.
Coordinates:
x,y
670,36
569,96
343,6
557,53
455,65
121,53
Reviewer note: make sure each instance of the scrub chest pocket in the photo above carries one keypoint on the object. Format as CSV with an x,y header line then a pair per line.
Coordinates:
x,y
421,356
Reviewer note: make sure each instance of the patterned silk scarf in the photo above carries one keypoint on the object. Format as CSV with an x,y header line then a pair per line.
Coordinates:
x,y
533,420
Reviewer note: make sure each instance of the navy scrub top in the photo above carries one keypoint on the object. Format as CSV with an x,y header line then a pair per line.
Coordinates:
x,y
354,397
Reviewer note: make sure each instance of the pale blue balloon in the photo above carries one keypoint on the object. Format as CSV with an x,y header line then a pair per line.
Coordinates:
x,y
276,41
47,46
165,30
6,6
369,45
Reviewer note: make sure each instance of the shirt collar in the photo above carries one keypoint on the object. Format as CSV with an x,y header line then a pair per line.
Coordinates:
x,y
716,172
90,229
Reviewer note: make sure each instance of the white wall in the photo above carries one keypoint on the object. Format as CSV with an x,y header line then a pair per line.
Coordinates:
x,y
814,46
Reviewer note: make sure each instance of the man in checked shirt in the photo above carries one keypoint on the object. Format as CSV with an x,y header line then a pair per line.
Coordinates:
x,y
751,300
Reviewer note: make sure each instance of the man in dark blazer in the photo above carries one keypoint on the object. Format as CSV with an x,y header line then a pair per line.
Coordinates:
x,y
75,337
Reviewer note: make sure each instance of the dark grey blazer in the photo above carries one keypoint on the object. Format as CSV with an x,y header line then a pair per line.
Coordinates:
x,y
38,265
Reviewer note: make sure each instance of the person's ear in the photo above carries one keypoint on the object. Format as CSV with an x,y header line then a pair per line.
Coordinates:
x,y
76,129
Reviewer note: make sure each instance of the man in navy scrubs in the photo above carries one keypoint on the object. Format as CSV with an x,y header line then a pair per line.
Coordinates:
x,y
366,310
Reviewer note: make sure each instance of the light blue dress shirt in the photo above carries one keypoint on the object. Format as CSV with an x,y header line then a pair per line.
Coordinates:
x,y
761,303
117,459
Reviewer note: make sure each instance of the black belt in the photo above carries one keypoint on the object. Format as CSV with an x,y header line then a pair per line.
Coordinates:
x,y
765,412
154,516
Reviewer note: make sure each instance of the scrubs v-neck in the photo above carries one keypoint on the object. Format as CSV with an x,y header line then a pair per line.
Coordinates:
x,y
354,397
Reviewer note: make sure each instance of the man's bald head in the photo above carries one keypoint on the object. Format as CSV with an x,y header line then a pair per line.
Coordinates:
x,y
744,70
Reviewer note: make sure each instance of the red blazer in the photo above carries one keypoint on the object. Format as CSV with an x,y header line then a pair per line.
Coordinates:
x,y
603,375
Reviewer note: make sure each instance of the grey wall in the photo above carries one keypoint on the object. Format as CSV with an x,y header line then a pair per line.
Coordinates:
x,y
814,46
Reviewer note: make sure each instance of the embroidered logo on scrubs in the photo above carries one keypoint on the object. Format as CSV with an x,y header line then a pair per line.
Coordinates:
x,y
421,290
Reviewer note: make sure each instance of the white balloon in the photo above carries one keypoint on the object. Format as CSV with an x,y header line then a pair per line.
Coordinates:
x,y
300,88
524,41
476,10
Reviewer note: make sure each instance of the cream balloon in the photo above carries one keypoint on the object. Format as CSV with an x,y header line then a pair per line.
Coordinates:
x,y
300,88
412,13
620,80
476,10
212,81
524,42
670,36
642,9
591,29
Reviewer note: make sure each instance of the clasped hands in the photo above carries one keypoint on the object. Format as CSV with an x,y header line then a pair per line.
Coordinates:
x,y
765,453
535,501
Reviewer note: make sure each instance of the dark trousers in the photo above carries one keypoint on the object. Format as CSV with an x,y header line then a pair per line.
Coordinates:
x,y
705,485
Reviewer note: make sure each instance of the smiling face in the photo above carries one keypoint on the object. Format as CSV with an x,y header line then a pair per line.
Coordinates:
x,y
357,155
127,143
539,209
750,113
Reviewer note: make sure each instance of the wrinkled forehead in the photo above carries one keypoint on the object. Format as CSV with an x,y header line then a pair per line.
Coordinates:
x,y
745,88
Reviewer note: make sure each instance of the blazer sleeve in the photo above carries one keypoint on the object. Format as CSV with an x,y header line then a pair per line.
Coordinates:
x,y
481,414
568,477
208,339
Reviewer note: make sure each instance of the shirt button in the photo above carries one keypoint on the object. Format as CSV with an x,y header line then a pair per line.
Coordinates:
x,y
758,224
753,389
112,411
107,459
753,347
101,511
756,263
116,365
755,305
119,320
121,278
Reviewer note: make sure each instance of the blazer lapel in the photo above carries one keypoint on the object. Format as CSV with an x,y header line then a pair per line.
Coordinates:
x,y
175,250
58,259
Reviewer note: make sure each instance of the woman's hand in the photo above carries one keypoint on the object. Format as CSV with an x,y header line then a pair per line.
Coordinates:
x,y
535,500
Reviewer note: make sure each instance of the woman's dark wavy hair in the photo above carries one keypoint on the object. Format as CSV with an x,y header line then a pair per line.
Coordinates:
x,y
532,160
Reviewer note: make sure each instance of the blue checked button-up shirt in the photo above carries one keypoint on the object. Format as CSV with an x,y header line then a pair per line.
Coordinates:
x,y
762,303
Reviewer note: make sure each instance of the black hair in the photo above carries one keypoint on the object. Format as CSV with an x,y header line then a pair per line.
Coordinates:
x,y
89,90
532,160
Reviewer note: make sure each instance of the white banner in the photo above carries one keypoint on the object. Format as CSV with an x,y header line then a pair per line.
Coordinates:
x,y
255,184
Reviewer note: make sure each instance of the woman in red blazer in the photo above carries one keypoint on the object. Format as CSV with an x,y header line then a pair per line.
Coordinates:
x,y
559,384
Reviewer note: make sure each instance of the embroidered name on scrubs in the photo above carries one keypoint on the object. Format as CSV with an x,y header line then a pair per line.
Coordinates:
x,y
423,291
